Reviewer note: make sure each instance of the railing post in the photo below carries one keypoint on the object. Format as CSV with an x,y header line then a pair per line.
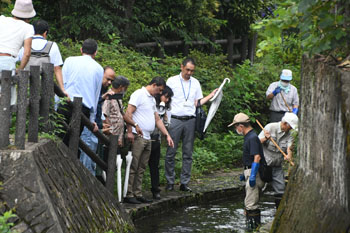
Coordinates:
x,y
47,94
159,49
186,49
5,113
230,48
74,127
34,100
112,155
244,47
252,47
21,115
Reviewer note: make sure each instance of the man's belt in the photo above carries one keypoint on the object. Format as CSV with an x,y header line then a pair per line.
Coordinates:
x,y
247,167
281,112
182,118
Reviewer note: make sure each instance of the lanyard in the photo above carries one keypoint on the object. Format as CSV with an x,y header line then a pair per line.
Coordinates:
x,y
183,89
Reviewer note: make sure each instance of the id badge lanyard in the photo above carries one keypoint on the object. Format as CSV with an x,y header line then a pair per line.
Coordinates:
x,y
183,89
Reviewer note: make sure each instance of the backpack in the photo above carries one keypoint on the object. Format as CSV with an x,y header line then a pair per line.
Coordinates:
x,y
38,57
201,117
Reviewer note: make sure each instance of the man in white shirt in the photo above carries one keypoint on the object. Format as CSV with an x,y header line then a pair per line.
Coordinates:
x,y
187,91
15,33
82,77
39,42
142,115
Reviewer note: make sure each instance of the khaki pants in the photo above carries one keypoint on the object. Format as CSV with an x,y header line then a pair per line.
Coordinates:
x,y
141,150
252,193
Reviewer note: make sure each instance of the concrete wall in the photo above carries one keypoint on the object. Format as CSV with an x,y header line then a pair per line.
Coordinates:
x,y
317,198
52,192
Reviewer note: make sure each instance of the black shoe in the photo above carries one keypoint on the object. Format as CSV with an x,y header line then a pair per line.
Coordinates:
x,y
143,200
156,196
131,200
185,188
169,187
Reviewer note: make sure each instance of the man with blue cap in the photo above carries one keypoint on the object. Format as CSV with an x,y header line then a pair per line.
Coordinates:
x,y
284,97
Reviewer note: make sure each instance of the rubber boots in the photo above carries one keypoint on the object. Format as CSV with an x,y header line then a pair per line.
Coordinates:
x,y
278,198
253,219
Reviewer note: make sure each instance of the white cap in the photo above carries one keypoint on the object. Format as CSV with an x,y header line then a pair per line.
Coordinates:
x,y
291,119
23,9
286,75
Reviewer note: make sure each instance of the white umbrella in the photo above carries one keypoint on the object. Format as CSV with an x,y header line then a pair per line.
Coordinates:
x,y
216,100
119,162
127,171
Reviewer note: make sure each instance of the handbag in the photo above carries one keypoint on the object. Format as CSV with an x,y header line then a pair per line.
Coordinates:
x,y
201,117
265,171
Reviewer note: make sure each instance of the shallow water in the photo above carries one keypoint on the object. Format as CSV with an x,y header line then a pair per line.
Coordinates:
x,y
216,216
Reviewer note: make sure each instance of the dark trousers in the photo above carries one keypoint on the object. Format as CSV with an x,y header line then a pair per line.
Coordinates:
x,y
153,163
67,113
276,116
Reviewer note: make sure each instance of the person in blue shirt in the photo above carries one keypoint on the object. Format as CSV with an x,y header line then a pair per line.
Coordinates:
x,y
252,154
82,77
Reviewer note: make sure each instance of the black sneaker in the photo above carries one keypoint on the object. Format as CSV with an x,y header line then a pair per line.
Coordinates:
x,y
185,188
144,200
156,196
131,200
169,187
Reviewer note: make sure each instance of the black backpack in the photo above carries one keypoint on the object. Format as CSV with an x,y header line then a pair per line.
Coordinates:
x,y
201,117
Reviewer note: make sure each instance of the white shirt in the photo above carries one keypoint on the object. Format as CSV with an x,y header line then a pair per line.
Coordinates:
x,y
186,92
38,43
144,115
13,33
82,77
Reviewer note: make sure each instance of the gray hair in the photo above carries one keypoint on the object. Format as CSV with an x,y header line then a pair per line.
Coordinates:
x,y
120,81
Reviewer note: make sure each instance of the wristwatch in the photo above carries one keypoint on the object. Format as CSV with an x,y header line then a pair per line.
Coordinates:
x,y
135,124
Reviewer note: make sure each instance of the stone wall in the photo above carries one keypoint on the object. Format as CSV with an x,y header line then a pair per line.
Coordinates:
x,y
51,192
317,198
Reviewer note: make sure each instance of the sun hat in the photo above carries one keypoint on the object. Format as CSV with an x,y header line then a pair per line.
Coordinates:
x,y
23,9
239,118
291,119
286,75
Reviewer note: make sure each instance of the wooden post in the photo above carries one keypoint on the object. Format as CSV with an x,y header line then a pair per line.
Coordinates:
x,y
34,100
159,49
251,48
47,93
21,115
186,49
244,47
230,48
5,113
212,48
112,155
74,127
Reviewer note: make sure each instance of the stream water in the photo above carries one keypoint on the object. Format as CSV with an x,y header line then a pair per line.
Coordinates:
x,y
215,216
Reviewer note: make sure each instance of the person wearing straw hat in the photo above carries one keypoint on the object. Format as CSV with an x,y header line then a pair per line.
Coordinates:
x,y
252,154
284,97
281,133
15,33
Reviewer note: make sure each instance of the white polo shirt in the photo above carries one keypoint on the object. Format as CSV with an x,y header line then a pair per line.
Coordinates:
x,y
145,109
186,92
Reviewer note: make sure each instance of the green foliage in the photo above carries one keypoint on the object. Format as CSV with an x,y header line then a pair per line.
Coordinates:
x,y
5,226
314,26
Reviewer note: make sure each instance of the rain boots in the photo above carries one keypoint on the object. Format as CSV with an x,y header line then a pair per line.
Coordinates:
x,y
278,198
253,219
